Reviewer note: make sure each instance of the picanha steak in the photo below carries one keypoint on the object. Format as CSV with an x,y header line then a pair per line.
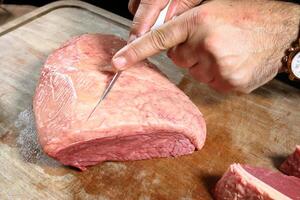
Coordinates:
x,y
243,182
144,116
291,166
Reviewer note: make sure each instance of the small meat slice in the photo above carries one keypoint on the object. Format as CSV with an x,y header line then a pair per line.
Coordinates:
x,y
291,166
242,182
144,116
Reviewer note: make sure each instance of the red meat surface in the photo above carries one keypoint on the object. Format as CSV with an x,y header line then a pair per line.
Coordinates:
x,y
291,166
144,116
242,182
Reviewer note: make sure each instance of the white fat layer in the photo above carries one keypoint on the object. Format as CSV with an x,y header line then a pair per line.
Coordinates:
x,y
260,185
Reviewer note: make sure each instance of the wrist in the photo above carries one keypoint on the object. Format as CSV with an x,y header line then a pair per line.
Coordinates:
x,y
291,58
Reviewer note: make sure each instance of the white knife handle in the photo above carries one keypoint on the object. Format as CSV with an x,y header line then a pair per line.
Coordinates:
x,y
162,16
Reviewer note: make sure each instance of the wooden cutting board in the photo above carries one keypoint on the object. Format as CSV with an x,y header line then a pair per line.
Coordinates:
x,y
258,129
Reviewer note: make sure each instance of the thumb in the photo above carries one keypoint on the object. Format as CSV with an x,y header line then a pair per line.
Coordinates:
x,y
166,36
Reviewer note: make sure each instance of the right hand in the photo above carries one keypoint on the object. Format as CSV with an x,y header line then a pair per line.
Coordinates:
x,y
146,12
228,44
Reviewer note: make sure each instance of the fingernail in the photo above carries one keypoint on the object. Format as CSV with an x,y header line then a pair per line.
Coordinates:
x,y
131,38
119,62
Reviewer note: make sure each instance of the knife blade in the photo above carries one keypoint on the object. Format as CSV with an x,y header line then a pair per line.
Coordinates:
x,y
106,91
159,21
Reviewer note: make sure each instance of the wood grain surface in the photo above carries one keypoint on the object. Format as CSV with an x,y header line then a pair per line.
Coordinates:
x,y
258,129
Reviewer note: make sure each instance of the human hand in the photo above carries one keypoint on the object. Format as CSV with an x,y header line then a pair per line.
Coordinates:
x,y
147,11
228,44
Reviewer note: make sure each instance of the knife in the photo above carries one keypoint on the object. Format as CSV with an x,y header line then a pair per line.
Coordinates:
x,y
106,91
160,20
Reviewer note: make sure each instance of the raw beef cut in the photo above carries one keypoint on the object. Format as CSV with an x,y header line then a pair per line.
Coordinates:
x,y
245,182
144,116
291,166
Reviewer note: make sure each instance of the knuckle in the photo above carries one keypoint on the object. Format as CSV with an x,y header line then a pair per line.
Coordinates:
x,y
211,45
225,65
186,4
190,23
226,62
201,16
234,82
196,17
158,39
133,53
239,81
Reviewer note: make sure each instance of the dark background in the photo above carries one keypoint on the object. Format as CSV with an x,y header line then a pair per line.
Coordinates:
x,y
116,6
120,7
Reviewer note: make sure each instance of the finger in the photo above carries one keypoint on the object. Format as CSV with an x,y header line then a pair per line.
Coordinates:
x,y
172,10
145,16
203,71
166,36
133,6
220,85
178,7
183,55
238,80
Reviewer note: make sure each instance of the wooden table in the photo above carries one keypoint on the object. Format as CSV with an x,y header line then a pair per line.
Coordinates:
x,y
258,129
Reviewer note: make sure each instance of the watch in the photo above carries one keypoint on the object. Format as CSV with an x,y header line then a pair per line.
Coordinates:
x,y
292,60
